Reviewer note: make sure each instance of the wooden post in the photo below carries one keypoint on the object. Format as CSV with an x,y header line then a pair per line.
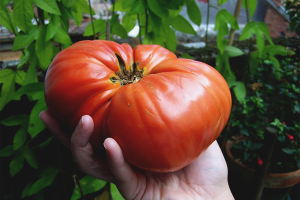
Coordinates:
x,y
236,16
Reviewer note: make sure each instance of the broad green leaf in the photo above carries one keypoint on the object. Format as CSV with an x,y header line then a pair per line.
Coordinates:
x,y
89,185
239,91
170,37
159,10
193,11
115,192
260,40
48,6
26,189
62,37
68,3
251,5
223,66
188,56
84,7
53,26
220,2
76,12
36,125
64,18
7,151
9,77
21,135
31,75
43,49
278,50
46,180
288,151
253,62
29,51
155,23
265,30
23,13
6,19
23,39
248,31
138,7
99,25
230,19
232,51
129,22
128,3
45,143
117,28
30,158
181,24
5,2
35,91
221,41
16,163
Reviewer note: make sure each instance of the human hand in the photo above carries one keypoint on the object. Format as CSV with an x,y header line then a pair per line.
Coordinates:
x,y
205,178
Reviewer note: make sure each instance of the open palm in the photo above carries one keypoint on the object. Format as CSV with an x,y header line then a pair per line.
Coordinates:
x,y
205,178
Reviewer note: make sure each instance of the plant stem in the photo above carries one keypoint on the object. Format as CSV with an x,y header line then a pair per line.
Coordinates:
x,y
91,15
140,36
206,31
78,182
41,16
236,16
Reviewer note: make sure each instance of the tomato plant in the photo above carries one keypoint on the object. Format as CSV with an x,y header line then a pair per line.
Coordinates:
x,y
162,110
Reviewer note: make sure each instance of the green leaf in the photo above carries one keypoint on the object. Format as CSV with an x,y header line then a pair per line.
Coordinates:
x,y
159,10
193,11
138,7
181,24
31,75
251,5
84,7
7,151
188,56
223,66
171,40
30,158
68,3
232,51
129,22
9,77
62,37
288,151
278,50
253,62
76,12
16,163
239,91
43,49
35,91
52,26
221,41
220,2
48,6
248,31
117,28
6,19
115,192
229,18
23,13
28,53
47,178
260,40
265,30
45,143
100,26
26,189
22,39
5,2
89,185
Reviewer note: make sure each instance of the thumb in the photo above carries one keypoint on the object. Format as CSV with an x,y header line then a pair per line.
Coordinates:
x,y
125,177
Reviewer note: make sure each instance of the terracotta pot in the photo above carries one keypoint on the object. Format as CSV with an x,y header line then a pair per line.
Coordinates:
x,y
280,180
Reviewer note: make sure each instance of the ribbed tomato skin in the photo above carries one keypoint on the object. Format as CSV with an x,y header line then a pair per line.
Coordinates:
x,y
162,122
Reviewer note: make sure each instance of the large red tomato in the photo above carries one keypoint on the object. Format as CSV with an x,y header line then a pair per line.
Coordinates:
x,y
162,110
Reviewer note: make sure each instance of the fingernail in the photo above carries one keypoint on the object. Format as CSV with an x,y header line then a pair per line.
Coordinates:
x,y
104,145
81,123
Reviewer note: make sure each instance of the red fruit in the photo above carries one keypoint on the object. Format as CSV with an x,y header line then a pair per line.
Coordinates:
x,y
260,162
290,137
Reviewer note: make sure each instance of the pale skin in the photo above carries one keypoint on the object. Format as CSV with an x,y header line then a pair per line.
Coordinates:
x,y
205,178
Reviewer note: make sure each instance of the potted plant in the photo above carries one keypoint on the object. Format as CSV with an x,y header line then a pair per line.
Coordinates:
x,y
271,105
